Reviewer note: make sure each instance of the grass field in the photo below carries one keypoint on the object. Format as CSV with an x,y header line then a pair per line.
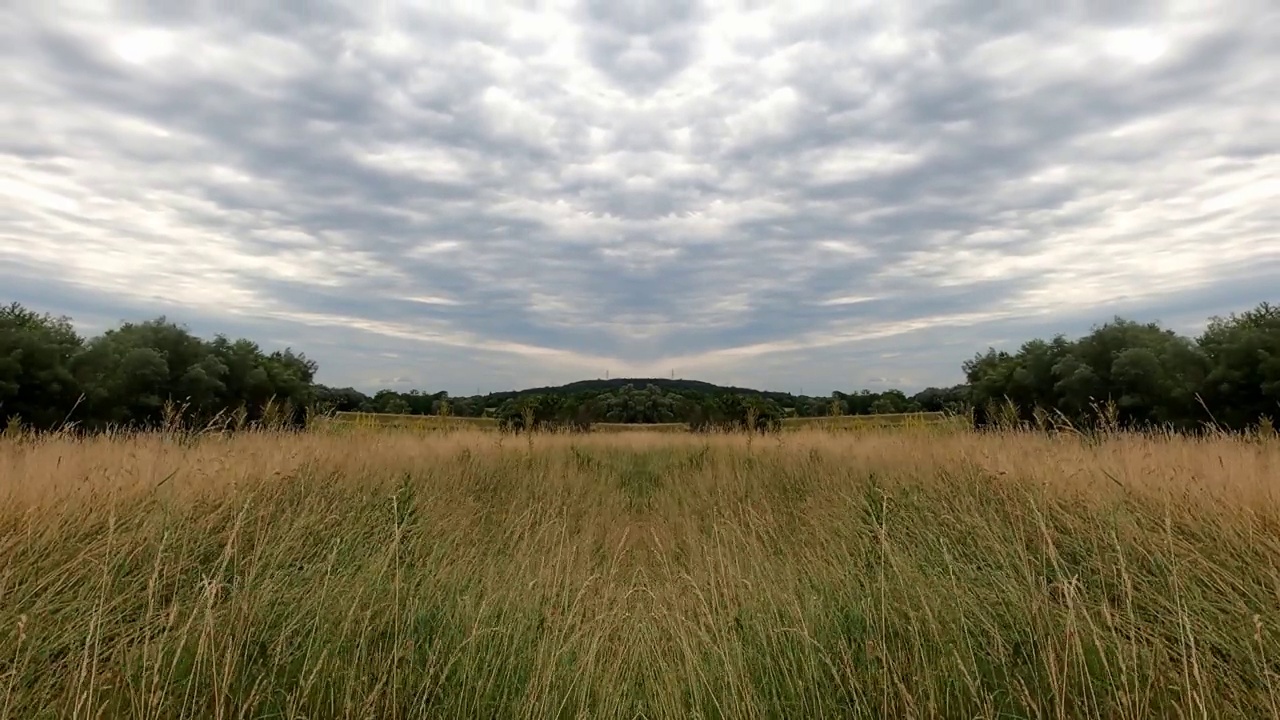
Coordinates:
x,y
885,420
433,422
841,422
640,575
678,427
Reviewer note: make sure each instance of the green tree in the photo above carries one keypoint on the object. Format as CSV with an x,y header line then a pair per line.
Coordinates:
x,y
36,380
1152,374
1242,354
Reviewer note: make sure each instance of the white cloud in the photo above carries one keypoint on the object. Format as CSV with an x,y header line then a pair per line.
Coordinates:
x,y
756,195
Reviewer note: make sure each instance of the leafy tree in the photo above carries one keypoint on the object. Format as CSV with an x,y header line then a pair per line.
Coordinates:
x,y
954,399
342,399
1151,373
1242,354
36,381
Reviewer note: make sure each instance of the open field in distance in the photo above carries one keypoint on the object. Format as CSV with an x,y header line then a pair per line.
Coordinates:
x,y
375,420
655,575
884,420
437,422
676,427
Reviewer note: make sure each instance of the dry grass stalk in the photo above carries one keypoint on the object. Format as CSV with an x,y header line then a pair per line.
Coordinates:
x,y
888,573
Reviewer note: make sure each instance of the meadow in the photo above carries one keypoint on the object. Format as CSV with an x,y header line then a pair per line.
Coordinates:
x,y
892,572
343,420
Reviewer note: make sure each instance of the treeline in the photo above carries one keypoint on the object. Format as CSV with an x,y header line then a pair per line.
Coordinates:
x,y
1129,374
143,375
1123,373
705,410
629,404
651,400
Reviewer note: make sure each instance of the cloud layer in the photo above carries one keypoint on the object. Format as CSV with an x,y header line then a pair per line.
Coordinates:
x,y
804,197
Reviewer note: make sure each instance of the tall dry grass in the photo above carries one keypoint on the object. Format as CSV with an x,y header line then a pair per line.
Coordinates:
x,y
390,575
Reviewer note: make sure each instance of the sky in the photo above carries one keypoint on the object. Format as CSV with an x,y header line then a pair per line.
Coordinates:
x,y
793,196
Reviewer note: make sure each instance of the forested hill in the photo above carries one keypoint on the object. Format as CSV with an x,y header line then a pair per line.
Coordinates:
x,y
665,384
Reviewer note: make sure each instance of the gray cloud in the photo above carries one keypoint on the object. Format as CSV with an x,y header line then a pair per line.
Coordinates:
x,y
641,46
795,196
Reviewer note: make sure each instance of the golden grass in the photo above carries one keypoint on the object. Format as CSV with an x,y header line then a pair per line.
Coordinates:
x,y
435,422
345,420
805,575
677,427
885,420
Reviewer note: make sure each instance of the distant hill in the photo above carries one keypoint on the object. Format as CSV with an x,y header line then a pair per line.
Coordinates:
x,y
665,384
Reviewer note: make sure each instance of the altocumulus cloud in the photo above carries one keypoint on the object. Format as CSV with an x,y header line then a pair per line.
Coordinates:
x,y
817,196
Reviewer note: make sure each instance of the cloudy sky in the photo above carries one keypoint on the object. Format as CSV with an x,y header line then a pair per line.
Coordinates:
x,y
483,196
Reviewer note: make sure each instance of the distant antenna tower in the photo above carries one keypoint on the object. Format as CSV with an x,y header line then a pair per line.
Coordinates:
x,y
606,374
673,373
